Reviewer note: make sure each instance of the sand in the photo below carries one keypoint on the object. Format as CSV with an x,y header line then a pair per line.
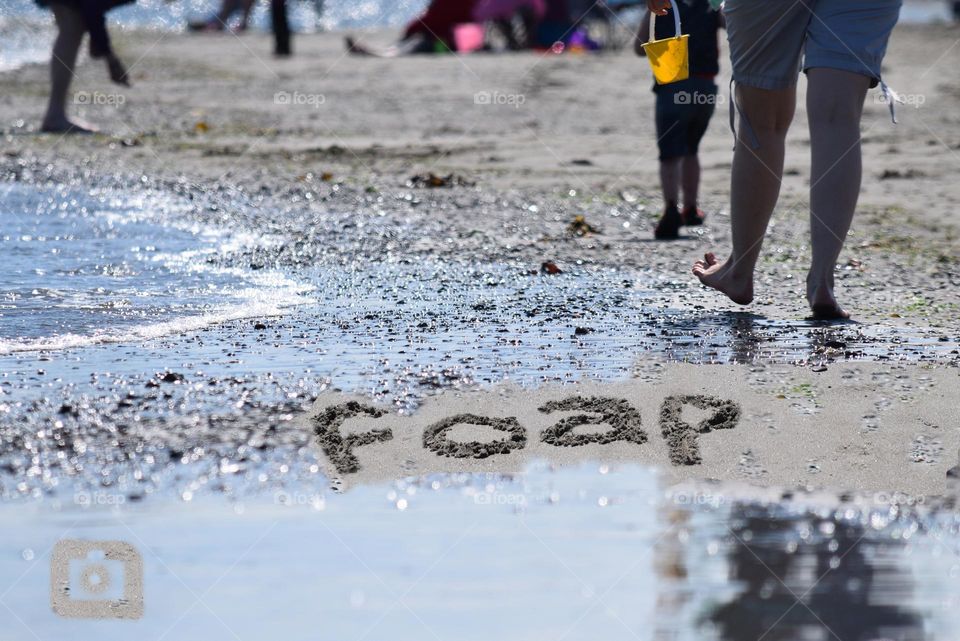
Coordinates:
x,y
220,104
314,146
218,113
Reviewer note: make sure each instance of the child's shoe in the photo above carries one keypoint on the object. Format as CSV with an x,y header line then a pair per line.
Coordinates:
x,y
668,228
693,216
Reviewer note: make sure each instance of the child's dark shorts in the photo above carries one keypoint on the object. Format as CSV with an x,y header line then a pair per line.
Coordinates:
x,y
683,112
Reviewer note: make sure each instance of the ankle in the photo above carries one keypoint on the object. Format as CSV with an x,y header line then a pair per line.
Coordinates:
x,y
817,280
739,270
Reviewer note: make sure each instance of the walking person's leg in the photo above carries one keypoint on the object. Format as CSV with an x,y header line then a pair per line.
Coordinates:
x,y
70,30
221,19
843,55
704,103
834,105
754,188
690,181
671,174
281,28
668,227
246,8
672,114
766,41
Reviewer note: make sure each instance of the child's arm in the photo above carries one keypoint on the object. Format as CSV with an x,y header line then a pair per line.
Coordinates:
x,y
643,33
659,7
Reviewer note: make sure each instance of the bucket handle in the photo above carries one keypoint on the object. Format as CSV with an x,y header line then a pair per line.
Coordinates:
x,y
676,22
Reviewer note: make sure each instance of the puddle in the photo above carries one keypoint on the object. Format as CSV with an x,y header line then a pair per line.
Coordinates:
x,y
573,553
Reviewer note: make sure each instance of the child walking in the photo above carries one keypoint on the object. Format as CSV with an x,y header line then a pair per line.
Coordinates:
x,y
683,113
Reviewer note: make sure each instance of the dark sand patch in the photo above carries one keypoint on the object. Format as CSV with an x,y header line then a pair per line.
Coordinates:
x,y
624,420
436,440
338,447
682,436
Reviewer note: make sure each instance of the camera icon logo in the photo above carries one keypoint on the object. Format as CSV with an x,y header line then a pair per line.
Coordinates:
x,y
682,98
96,580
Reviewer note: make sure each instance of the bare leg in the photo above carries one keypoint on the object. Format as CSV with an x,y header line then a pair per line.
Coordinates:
x,y
834,105
690,181
668,227
246,8
670,181
70,30
222,17
754,189
281,28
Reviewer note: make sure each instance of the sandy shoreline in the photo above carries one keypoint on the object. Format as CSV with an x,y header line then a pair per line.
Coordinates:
x,y
329,174
203,115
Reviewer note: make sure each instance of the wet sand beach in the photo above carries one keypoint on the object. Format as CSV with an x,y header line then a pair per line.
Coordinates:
x,y
387,345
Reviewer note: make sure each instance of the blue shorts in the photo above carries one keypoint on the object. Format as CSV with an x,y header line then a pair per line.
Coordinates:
x,y
772,40
683,112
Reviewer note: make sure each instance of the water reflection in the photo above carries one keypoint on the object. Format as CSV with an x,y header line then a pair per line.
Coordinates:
x,y
742,337
745,341
813,578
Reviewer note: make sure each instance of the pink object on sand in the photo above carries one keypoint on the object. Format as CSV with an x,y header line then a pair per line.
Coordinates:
x,y
468,37
501,9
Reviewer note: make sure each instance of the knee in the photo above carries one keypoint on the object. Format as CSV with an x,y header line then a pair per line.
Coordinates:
x,y
768,112
835,98
834,110
769,122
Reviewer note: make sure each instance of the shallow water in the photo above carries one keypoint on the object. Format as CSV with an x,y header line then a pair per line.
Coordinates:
x,y
578,553
82,269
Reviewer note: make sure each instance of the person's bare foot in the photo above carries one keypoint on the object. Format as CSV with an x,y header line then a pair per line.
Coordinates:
x,y
823,304
66,126
720,277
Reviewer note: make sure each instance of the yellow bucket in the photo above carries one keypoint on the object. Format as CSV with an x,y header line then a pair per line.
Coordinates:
x,y
668,57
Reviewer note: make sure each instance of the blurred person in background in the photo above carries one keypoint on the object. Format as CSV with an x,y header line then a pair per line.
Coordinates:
x,y
75,18
221,19
683,112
